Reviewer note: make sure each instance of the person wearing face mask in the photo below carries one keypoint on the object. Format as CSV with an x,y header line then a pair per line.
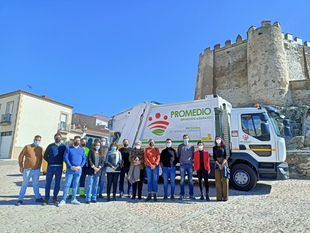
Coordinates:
x,y
220,158
83,175
113,163
54,156
168,160
95,162
202,167
151,158
186,156
125,151
30,160
136,170
75,159
102,179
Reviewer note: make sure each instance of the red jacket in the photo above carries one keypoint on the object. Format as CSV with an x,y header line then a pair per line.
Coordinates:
x,y
206,160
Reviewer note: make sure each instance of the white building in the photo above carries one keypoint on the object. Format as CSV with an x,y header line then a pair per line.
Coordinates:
x,y
24,115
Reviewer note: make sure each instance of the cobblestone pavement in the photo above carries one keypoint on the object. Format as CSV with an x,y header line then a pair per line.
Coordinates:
x,y
278,206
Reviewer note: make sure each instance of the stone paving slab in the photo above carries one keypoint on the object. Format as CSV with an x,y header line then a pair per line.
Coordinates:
x,y
277,206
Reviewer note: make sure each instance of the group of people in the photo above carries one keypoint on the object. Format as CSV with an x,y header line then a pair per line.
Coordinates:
x,y
90,166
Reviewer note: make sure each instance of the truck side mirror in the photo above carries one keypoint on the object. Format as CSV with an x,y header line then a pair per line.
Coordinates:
x,y
265,129
263,117
286,122
287,131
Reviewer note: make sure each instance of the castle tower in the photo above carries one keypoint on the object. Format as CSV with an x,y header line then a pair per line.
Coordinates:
x,y
268,77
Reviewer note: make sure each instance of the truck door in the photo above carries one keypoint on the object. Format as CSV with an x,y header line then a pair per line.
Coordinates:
x,y
252,140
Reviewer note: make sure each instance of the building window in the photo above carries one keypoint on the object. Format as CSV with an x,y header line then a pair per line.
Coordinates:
x,y
9,133
9,108
63,121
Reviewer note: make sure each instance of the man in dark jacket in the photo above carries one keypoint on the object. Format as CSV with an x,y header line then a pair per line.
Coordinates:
x,y
168,160
54,155
125,151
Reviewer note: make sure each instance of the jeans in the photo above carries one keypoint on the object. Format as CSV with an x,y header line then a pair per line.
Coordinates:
x,y
51,171
169,172
74,178
186,168
203,174
27,174
101,181
112,179
152,178
124,171
83,176
92,187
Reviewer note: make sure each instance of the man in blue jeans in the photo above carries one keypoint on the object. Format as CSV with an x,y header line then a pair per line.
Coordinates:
x,y
54,156
186,156
30,160
168,160
75,159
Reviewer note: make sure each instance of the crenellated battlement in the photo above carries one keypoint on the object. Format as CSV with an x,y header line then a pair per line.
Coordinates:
x,y
265,25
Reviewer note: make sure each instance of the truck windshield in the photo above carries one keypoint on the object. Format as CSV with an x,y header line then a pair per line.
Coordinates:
x,y
276,123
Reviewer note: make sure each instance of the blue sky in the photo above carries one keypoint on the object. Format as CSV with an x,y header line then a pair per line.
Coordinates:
x,y
105,56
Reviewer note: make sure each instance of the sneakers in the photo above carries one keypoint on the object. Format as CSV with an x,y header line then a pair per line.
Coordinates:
x,y
75,202
55,202
40,200
62,203
45,202
19,203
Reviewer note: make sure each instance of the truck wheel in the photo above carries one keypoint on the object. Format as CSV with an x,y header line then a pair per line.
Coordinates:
x,y
243,177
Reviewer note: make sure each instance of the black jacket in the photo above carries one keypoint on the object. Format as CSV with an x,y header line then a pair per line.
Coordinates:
x,y
169,157
91,161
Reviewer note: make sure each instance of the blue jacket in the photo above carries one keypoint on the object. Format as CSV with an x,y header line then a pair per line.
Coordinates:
x,y
74,157
54,155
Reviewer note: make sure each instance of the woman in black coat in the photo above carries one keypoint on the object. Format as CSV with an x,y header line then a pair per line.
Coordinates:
x,y
95,162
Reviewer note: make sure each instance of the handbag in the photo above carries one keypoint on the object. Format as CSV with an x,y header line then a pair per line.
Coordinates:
x,y
226,172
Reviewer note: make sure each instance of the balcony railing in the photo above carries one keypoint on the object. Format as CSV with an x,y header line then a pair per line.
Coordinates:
x,y
5,119
63,126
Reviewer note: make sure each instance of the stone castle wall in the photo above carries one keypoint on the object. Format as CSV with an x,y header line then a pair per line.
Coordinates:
x,y
268,68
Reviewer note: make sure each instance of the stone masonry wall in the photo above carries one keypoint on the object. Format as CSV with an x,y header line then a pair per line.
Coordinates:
x,y
299,163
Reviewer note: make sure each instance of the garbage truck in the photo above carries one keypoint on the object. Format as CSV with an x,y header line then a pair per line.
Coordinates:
x,y
254,136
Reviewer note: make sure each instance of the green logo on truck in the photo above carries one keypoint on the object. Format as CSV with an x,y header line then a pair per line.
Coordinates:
x,y
158,126
191,112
